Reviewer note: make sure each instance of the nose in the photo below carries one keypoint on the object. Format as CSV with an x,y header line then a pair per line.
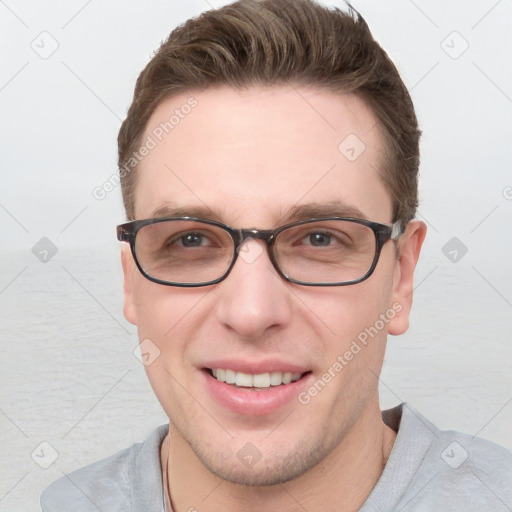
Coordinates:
x,y
253,299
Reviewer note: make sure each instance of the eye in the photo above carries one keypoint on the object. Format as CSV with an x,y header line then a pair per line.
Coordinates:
x,y
193,240
324,239
319,239
190,240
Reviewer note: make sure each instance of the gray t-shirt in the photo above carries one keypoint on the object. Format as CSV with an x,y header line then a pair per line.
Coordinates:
x,y
428,470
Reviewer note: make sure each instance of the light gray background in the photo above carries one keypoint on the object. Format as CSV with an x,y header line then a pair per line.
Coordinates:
x,y
68,374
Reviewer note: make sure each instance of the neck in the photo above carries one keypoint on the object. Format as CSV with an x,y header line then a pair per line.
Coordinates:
x,y
341,481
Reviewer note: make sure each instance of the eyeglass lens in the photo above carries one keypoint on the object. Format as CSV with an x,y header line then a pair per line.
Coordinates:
x,y
189,252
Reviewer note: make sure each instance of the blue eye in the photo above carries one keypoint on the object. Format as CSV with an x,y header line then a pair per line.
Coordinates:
x,y
319,239
192,240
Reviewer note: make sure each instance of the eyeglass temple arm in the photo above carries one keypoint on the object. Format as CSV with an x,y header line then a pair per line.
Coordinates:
x,y
122,234
396,230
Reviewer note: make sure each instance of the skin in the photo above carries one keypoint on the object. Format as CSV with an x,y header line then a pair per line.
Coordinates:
x,y
250,155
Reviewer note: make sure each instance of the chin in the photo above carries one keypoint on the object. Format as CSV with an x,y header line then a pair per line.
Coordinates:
x,y
267,471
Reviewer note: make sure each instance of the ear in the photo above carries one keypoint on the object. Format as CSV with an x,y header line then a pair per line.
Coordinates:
x,y
409,246
129,309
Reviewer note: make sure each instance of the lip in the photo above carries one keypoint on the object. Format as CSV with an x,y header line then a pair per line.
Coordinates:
x,y
255,367
250,402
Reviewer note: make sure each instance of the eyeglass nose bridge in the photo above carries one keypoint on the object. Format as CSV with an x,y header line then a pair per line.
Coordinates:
x,y
240,236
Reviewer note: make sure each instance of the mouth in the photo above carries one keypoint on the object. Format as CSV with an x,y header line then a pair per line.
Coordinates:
x,y
254,381
254,394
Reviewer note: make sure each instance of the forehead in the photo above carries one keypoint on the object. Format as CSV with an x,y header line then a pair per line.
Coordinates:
x,y
250,155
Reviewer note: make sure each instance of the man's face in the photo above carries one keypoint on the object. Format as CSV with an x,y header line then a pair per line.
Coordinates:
x,y
251,156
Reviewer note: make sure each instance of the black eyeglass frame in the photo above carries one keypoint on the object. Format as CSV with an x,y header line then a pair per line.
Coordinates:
x,y
127,232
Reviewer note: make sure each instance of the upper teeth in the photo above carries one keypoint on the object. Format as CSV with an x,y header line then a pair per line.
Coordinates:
x,y
258,380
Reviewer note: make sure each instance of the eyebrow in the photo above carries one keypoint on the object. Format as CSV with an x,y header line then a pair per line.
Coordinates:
x,y
318,210
291,214
201,212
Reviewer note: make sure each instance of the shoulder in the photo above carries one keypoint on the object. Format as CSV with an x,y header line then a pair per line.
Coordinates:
x,y
107,479
470,468
456,469
112,483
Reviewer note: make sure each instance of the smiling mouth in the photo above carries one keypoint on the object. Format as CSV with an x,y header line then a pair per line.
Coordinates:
x,y
258,381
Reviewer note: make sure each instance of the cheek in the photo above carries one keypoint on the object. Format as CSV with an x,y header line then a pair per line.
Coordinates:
x,y
348,311
354,320
160,309
172,319
166,323
150,305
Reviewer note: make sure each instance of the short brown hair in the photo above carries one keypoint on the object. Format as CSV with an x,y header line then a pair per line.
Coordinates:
x,y
273,42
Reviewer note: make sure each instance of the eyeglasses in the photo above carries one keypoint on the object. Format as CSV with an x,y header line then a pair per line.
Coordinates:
x,y
186,251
